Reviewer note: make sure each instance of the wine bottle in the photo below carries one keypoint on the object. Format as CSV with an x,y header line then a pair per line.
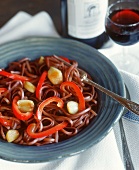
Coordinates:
x,y
83,20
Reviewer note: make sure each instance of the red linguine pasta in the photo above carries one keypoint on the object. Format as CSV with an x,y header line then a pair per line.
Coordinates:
x,y
44,101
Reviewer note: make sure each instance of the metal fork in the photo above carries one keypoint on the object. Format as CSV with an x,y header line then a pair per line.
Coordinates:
x,y
126,153
130,105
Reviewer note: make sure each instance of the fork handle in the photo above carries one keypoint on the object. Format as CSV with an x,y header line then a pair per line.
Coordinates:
x,y
132,106
126,154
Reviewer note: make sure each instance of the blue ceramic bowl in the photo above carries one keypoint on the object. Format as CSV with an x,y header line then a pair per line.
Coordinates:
x,y
102,71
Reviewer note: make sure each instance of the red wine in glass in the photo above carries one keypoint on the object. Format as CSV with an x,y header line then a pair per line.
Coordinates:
x,y
122,26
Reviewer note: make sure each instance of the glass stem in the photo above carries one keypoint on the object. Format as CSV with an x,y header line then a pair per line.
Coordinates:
x,y
125,54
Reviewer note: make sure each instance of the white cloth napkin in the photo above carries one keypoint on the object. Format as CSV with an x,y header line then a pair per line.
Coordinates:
x,y
106,155
24,25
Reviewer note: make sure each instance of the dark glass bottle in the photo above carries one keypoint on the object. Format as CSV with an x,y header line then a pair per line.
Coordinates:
x,y
83,20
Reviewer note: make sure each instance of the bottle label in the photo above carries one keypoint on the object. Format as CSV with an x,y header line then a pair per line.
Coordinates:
x,y
86,18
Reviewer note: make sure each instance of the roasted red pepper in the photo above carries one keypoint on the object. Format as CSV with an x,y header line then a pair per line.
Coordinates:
x,y
77,91
60,104
64,58
5,122
13,76
40,83
31,128
17,112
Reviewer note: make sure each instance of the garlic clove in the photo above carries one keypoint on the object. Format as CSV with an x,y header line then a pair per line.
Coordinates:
x,y
72,107
41,60
12,135
29,86
55,75
25,105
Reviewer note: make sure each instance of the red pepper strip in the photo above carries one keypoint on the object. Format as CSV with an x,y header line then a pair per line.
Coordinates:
x,y
2,90
77,91
40,83
5,122
32,126
64,58
17,112
13,76
60,104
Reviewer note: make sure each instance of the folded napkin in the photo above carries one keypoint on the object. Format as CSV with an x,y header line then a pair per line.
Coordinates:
x,y
24,25
106,155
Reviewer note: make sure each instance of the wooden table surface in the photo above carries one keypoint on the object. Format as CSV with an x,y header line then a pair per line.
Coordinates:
x,y
8,8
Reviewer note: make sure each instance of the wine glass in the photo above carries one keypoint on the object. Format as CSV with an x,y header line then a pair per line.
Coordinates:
x,y
122,26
